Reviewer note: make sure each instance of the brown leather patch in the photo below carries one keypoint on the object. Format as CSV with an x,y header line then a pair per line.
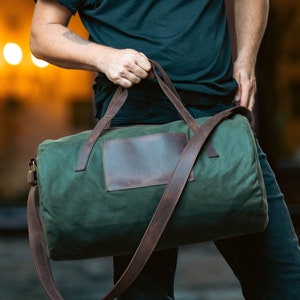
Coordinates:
x,y
141,161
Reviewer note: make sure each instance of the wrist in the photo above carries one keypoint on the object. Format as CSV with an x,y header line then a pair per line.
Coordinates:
x,y
99,55
246,57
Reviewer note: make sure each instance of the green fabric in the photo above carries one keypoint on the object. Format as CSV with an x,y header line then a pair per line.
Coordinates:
x,y
81,219
190,39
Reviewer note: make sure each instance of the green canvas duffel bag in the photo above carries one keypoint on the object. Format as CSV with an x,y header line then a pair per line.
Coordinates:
x,y
199,179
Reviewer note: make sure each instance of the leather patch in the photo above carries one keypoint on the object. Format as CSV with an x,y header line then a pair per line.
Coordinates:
x,y
141,161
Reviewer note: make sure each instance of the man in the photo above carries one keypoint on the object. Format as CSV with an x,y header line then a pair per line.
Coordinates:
x,y
190,39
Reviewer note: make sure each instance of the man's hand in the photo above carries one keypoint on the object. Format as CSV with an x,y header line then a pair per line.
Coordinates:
x,y
125,67
245,76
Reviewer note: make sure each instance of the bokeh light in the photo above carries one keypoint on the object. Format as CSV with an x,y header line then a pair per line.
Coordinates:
x,y
12,53
39,62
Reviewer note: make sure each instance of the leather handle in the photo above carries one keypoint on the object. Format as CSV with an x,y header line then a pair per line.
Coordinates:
x,y
156,226
166,80
119,99
169,90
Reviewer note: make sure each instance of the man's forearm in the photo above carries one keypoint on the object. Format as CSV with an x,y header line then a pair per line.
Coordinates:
x,y
64,48
250,19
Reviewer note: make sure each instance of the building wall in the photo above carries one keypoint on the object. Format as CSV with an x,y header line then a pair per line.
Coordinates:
x,y
278,73
35,103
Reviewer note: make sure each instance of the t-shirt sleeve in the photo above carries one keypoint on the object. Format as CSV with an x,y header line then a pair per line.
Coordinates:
x,y
71,5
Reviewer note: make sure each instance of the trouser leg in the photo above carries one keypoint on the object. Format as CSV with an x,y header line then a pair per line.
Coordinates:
x,y
155,282
267,264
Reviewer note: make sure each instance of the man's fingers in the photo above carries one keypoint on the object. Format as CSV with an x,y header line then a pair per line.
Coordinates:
x,y
143,62
245,95
251,102
126,80
141,67
137,71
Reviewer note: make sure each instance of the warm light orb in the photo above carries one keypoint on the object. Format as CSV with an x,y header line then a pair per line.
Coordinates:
x,y
39,62
12,53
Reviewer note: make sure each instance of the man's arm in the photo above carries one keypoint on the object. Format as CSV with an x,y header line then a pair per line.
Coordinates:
x,y
51,40
250,22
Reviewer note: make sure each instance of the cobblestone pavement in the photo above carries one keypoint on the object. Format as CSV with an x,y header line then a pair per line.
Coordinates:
x,y
202,274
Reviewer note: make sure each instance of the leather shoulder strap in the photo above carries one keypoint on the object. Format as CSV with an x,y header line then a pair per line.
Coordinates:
x,y
38,247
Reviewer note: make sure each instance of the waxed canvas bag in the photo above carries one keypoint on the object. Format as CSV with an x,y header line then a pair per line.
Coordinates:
x,y
140,188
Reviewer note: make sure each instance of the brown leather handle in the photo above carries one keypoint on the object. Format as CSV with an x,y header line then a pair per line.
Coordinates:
x,y
119,99
156,226
166,80
169,90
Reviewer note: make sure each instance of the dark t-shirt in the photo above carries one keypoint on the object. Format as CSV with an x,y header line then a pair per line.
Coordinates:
x,y
190,39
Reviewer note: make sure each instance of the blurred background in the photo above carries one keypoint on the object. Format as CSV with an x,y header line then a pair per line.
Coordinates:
x,y
39,101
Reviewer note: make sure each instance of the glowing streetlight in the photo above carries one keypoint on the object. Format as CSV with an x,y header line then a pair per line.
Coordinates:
x,y
12,53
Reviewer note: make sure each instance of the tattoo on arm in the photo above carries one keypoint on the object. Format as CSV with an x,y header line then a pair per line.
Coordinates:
x,y
72,36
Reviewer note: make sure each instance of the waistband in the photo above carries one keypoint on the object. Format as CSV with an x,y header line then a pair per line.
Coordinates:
x,y
196,98
191,98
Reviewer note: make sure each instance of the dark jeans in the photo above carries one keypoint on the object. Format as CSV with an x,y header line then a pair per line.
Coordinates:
x,y
267,264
